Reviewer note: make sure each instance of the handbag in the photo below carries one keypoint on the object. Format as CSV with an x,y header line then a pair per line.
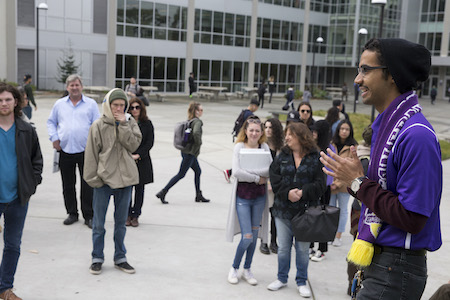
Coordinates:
x,y
316,224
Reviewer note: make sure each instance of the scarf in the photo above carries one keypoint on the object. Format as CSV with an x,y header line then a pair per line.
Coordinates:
x,y
392,120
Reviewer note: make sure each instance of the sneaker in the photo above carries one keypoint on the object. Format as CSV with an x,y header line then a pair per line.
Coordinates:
x,y
276,285
312,252
125,267
226,173
304,291
274,248
233,276
319,256
248,276
9,295
96,268
337,242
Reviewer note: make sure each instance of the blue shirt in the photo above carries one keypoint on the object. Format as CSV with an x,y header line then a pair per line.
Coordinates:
x,y
414,173
8,165
70,124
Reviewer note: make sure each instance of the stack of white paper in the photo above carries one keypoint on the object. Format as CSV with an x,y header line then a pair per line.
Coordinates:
x,y
253,159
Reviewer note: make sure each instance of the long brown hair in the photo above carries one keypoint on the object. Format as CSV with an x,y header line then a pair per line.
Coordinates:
x,y
143,111
304,136
242,136
310,119
193,107
16,95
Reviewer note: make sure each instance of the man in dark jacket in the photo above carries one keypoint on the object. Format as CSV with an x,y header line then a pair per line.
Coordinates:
x,y
21,159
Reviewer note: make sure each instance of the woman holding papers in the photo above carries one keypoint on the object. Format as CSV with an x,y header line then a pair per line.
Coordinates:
x,y
251,162
297,180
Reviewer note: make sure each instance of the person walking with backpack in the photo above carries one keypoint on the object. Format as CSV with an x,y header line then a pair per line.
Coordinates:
x,y
189,155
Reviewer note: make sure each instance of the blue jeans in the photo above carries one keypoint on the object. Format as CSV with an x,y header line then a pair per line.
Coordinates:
x,y
14,214
249,214
394,276
189,161
342,202
100,203
285,237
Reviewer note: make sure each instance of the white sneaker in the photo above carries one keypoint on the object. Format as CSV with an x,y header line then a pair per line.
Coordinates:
x,y
233,276
311,252
276,285
319,256
337,242
304,291
248,276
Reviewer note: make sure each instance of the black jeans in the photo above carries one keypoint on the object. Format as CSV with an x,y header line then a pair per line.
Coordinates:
x,y
67,164
134,211
394,276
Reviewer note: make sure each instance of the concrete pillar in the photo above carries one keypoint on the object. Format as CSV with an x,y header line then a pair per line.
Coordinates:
x,y
189,44
446,30
11,49
111,55
355,48
305,46
251,60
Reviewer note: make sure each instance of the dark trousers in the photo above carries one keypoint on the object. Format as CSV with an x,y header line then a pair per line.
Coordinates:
x,y
394,276
273,229
67,164
189,161
14,214
261,100
134,211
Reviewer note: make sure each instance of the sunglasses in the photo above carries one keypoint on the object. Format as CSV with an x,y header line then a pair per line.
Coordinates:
x,y
135,107
305,111
256,121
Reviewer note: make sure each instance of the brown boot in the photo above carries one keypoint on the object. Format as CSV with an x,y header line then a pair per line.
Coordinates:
x,y
128,221
9,295
134,222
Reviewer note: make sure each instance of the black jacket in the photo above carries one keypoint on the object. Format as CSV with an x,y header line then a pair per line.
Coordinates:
x,y
144,164
29,160
308,177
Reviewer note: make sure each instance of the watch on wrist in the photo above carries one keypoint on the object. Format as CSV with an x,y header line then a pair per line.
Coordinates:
x,y
356,184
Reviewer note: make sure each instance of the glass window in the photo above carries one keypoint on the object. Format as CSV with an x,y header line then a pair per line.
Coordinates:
x,y
147,13
130,66
132,12
294,31
158,68
206,38
120,30
173,35
182,68
100,16
229,23
226,71
206,20
204,70
264,71
174,16
183,18
239,42
215,70
266,28
131,31
218,22
240,25
197,20
237,71
145,67
172,68
119,66
282,75
276,29
248,25
160,15
120,11
274,71
146,33
160,34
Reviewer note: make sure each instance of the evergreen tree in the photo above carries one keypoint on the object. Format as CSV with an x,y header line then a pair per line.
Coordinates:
x,y
66,65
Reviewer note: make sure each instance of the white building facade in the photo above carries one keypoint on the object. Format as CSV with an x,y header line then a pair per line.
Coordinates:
x,y
230,43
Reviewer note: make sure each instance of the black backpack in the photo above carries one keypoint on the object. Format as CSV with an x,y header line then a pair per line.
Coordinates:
x,y
182,134
245,113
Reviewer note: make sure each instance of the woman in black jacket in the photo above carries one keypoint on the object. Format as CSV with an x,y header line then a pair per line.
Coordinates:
x,y
297,180
142,158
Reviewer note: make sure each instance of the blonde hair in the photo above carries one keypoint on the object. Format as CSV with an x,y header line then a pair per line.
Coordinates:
x,y
242,136
193,106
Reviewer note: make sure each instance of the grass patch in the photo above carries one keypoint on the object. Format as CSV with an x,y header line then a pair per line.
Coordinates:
x,y
360,121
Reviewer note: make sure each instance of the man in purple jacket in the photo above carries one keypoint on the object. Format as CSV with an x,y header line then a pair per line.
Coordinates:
x,y
401,195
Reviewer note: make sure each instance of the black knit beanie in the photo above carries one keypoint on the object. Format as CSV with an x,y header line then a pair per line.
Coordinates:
x,y
409,63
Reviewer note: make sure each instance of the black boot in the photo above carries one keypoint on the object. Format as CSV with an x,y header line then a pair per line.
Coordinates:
x,y
264,248
200,198
161,195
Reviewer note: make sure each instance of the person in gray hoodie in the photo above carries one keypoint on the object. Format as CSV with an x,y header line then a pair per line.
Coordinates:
x,y
111,170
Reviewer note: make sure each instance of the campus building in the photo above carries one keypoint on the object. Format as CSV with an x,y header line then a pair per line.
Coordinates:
x,y
229,43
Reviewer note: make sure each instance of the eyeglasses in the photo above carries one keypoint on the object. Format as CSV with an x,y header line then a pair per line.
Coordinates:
x,y
256,121
305,111
365,68
135,107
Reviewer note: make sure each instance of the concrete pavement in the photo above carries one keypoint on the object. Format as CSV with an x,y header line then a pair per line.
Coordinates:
x,y
179,250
